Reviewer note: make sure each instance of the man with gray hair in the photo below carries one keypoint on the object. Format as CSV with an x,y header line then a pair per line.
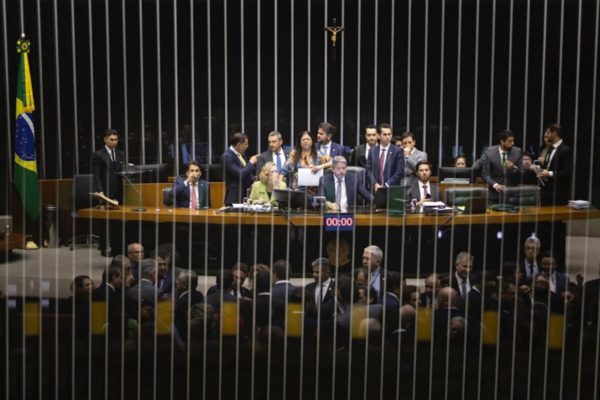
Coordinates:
x,y
462,280
276,153
372,260
530,266
320,294
146,288
341,189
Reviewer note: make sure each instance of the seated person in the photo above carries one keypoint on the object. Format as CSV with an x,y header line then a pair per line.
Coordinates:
x,y
268,180
341,189
460,161
422,190
183,194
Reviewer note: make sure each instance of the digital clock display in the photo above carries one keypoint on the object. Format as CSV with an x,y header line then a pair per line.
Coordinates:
x,y
338,222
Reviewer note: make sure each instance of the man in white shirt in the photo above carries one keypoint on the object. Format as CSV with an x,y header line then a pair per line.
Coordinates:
x,y
462,279
557,164
372,259
422,190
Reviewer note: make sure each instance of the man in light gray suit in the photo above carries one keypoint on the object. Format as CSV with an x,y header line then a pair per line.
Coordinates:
x,y
500,164
412,156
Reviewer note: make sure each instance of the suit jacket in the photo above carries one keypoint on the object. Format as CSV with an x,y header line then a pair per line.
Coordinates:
x,y
237,177
410,166
335,149
145,290
327,305
562,281
267,156
354,186
557,189
167,283
183,303
358,156
105,177
181,193
591,290
393,169
282,291
259,194
527,274
494,172
112,298
415,191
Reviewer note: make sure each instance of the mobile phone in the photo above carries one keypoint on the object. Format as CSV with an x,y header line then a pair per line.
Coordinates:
x,y
537,162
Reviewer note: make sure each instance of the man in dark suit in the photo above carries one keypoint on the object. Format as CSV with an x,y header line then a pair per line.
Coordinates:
x,y
326,148
282,288
372,260
360,154
501,164
422,190
462,280
191,191
187,296
276,153
108,293
237,170
106,162
557,167
557,280
385,166
531,265
341,189
146,289
320,294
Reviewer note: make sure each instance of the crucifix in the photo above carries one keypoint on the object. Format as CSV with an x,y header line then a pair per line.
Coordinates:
x,y
334,29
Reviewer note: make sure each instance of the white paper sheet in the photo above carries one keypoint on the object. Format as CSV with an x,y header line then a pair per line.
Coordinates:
x,y
307,178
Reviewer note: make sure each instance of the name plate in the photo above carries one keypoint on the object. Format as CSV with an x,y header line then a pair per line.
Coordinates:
x,y
338,222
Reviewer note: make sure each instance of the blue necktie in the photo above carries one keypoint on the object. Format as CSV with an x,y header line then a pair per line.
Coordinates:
x,y
278,162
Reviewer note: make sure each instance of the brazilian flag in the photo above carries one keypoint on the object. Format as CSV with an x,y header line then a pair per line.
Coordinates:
x,y
25,172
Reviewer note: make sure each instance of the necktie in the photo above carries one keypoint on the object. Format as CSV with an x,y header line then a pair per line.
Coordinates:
x,y
531,266
381,166
338,194
112,154
503,159
463,288
241,159
278,162
193,198
426,194
549,151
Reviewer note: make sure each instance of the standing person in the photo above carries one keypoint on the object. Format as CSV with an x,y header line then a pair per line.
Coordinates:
x,y
501,164
326,148
412,156
557,168
360,154
106,162
304,155
237,171
385,166
276,153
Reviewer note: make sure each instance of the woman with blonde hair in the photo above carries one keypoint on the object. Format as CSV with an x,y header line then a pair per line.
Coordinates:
x,y
268,180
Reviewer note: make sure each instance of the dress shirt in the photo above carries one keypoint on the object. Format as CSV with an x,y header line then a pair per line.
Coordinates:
x,y
239,156
321,291
367,149
279,160
554,147
375,281
552,281
340,184
111,153
425,190
463,285
325,149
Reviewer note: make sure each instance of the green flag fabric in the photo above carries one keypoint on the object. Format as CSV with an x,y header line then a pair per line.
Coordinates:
x,y
25,171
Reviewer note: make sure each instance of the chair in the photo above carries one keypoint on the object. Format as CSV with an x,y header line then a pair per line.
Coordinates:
x,y
452,173
523,195
461,196
83,184
167,196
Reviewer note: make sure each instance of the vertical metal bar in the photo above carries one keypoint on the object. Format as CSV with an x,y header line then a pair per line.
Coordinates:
x,y
425,71
576,116
492,63
242,73
125,84
308,58
408,65
560,62
376,60
21,17
325,65
441,101
142,83
225,68
358,71
476,91
176,84
258,70
74,77
107,56
276,68
92,89
40,99
510,56
526,84
392,54
192,84
58,96
292,91
543,77
209,94
342,76
458,69
159,84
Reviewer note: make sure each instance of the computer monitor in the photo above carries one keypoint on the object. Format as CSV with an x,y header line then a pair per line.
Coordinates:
x,y
288,199
474,199
391,198
523,195
151,173
455,173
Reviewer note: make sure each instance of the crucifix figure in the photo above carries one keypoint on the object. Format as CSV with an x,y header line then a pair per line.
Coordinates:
x,y
334,29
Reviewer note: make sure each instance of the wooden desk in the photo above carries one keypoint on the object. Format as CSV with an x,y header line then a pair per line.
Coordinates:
x,y
12,241
170,215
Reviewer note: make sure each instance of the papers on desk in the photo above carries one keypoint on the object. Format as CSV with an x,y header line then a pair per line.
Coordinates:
x,y
434,204
307,178
437,207
579,204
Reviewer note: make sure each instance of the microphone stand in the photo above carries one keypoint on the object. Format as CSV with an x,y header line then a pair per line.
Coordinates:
x,y
125,175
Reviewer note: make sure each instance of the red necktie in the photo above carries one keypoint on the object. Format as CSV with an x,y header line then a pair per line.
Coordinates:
x,y
425,192
381,166
193,198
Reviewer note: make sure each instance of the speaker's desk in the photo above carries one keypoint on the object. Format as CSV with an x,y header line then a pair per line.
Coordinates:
x,y
212,216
